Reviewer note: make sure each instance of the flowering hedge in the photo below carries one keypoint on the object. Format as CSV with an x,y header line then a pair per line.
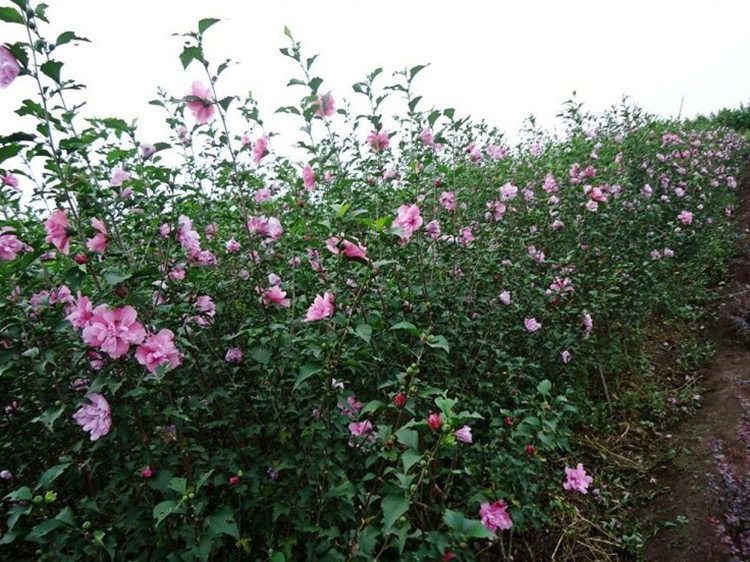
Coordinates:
x,y
379,348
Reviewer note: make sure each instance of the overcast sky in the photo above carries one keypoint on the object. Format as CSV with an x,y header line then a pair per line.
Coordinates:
x,y
495,60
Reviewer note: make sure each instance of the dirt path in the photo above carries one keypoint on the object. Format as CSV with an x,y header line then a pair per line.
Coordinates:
x,y
686,502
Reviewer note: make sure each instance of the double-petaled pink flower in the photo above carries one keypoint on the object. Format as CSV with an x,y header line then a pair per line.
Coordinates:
x,y
10,245
260,149
202,107
79,314
9,68
409,219
158,349
577,479
686,217
57,231
96,417
275,295
354,251
378,141
322,307
495,516
264,226
118,177
234,355
531,324
113,331
448,200
308,178
99,242
427,137
325,106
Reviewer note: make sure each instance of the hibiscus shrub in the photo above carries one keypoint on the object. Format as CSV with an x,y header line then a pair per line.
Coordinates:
x,y
374,344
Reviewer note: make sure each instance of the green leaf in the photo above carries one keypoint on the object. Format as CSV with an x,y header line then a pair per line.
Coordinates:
x,y
410,457
67,517
224,103
394,506
10,15
544,386
68,36
261,355
469,527
205,23
163,509
189,54
50,475
22,494
305,373
439,342
178,484
408,437
408,326
364,331
222,522
49,417
52,69
277,557
416,70
43,528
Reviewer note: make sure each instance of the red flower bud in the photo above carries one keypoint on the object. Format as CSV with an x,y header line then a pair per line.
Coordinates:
x,y
530,449
147,473
435,421
120,291
234,480
399,400
438,182
508,421
80,259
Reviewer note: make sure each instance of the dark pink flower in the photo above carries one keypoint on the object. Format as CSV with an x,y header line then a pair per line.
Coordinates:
x,y
113,331
495,516
99,242
57,231
577,479
234,355
10,180
409,219
322,307
378,141
354,251
260,149
274,295
202,107
81,312
448,200
96,417
435,421
158,349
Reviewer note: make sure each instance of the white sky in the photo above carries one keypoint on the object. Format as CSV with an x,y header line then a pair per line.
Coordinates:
x,y
497,60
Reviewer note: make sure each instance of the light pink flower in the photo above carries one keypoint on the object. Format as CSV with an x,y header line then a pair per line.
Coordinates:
x,y
264,226
234,355
57,231
158,349
9,68
433,229
99,242
203,107
508,192
588,323
147,150
378,141
10,245
466,236
475,153
10,180
409,220
232,245
308,178
118,177
81,312
274,295
566,357
550,184
464,434
426,136
448,200
262,195
496,152
96,417
325,106
531,324
505,298
686,217
113,331
187,236
206,310
363,428
322,307
260,149
495,516
577,479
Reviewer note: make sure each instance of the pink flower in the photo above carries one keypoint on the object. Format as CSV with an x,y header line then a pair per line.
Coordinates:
x,y
354,251
10,245
566,357
206,310
378,141
668,253
232,245
203,107
264,226
118,177
274,295
308,178
234,355
496,152
147,150
9,68
495,516
113,331
558,225
158,349
322,307
363,428
426,136
550,184
211,230
80,313
262,195
466,236
260,149
588,323
686,217
464,434
505,298
57,231
188,237
10,180
475,153
531,324
577,479
433,229
324,105
508,192
448,200
99,242
408,219
96,417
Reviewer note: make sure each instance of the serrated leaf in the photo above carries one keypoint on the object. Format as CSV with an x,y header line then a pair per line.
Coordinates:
x,y
52,69
189,54
408,437
50,475
394,506
164,509
305,373
205,23
178,484
439,342
410,457
10,15
222,522
49,417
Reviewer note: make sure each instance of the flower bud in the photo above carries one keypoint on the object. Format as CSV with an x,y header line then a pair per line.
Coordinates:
x,y
435,421
399,400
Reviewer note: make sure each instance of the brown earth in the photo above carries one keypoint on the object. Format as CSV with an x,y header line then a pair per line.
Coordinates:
x,y
678,515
